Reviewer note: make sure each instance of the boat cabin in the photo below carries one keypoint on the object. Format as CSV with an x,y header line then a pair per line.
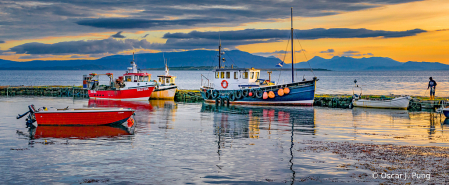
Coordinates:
x,y
135,78
238,78
166,80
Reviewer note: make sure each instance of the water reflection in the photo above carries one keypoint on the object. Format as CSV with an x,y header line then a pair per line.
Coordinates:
x,y
252,119
237,122
383,113
165,115
77,132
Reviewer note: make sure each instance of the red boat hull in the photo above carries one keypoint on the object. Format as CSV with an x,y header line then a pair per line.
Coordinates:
x,y
83,118
142,93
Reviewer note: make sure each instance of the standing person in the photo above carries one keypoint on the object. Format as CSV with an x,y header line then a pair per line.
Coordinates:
x,y
432,85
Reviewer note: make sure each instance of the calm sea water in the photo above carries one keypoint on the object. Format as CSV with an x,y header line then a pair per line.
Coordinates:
x,y
196,143
330,82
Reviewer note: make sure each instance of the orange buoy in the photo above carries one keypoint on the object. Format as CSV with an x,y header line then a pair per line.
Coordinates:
x,y
286,90
250,94
271,94
130,122
281,92
265,95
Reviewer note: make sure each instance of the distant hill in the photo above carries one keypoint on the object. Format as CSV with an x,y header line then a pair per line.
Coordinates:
x,y
205,59
373,64
154,60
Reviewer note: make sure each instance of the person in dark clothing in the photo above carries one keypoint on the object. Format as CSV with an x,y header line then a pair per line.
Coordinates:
x,y
432,85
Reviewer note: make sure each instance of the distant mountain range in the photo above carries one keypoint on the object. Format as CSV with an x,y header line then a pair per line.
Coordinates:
x,y
371,64
201,58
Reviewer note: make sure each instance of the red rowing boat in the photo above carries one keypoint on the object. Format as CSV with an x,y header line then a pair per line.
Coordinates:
x,y
78,116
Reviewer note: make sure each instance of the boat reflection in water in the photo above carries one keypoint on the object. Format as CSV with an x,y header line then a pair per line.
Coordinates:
x,y
257,118
166,114
390,113
78,132
254,122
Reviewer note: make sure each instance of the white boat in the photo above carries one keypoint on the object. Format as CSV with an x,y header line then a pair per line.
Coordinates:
x,y
396,103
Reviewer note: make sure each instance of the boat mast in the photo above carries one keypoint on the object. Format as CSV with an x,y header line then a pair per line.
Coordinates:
x,y
219,54
293,68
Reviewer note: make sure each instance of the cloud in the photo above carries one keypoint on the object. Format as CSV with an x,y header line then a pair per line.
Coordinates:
x,y
1,41
80,47
351,53
65,17
145,35
328,51
118,35
316,33
202,40
34,56
114,23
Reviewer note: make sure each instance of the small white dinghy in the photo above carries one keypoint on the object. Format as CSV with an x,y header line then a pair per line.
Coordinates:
x,y
396,103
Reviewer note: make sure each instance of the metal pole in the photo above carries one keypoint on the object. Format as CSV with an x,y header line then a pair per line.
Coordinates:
x,y
293,74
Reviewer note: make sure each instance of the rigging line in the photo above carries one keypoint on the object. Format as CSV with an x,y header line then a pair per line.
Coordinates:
x,y
302,51
230,58
285,54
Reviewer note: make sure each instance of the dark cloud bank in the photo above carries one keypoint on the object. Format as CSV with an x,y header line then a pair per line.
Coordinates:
x,y
198,40
86,16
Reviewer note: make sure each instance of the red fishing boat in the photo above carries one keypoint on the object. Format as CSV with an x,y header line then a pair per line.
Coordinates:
x,y
78,116
134,85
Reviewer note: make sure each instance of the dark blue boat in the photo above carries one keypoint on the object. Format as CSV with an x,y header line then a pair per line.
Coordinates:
x,y
244,86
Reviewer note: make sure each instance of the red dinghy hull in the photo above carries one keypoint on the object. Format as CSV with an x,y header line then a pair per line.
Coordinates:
x,y
83,117
142,93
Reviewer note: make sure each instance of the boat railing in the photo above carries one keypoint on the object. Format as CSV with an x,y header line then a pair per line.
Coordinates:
x,y
208,84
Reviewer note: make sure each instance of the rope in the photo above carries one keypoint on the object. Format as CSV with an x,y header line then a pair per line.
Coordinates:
x,y
302,51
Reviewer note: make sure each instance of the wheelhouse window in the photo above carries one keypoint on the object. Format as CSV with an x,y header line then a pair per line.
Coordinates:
x,y
257,75
167,80
160,79
128,78
236,75
245,75
222,75
252,75
217,74
228,75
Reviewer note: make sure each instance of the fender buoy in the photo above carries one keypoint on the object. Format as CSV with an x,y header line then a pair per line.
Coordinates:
x,y
130,122
245,93
271,94
281,92
224,84
238,94
207,94
232,97
215,94
250,94
253,92
259,94
286,90
265,95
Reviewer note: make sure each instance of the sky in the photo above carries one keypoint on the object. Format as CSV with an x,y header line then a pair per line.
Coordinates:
x,y
404,30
